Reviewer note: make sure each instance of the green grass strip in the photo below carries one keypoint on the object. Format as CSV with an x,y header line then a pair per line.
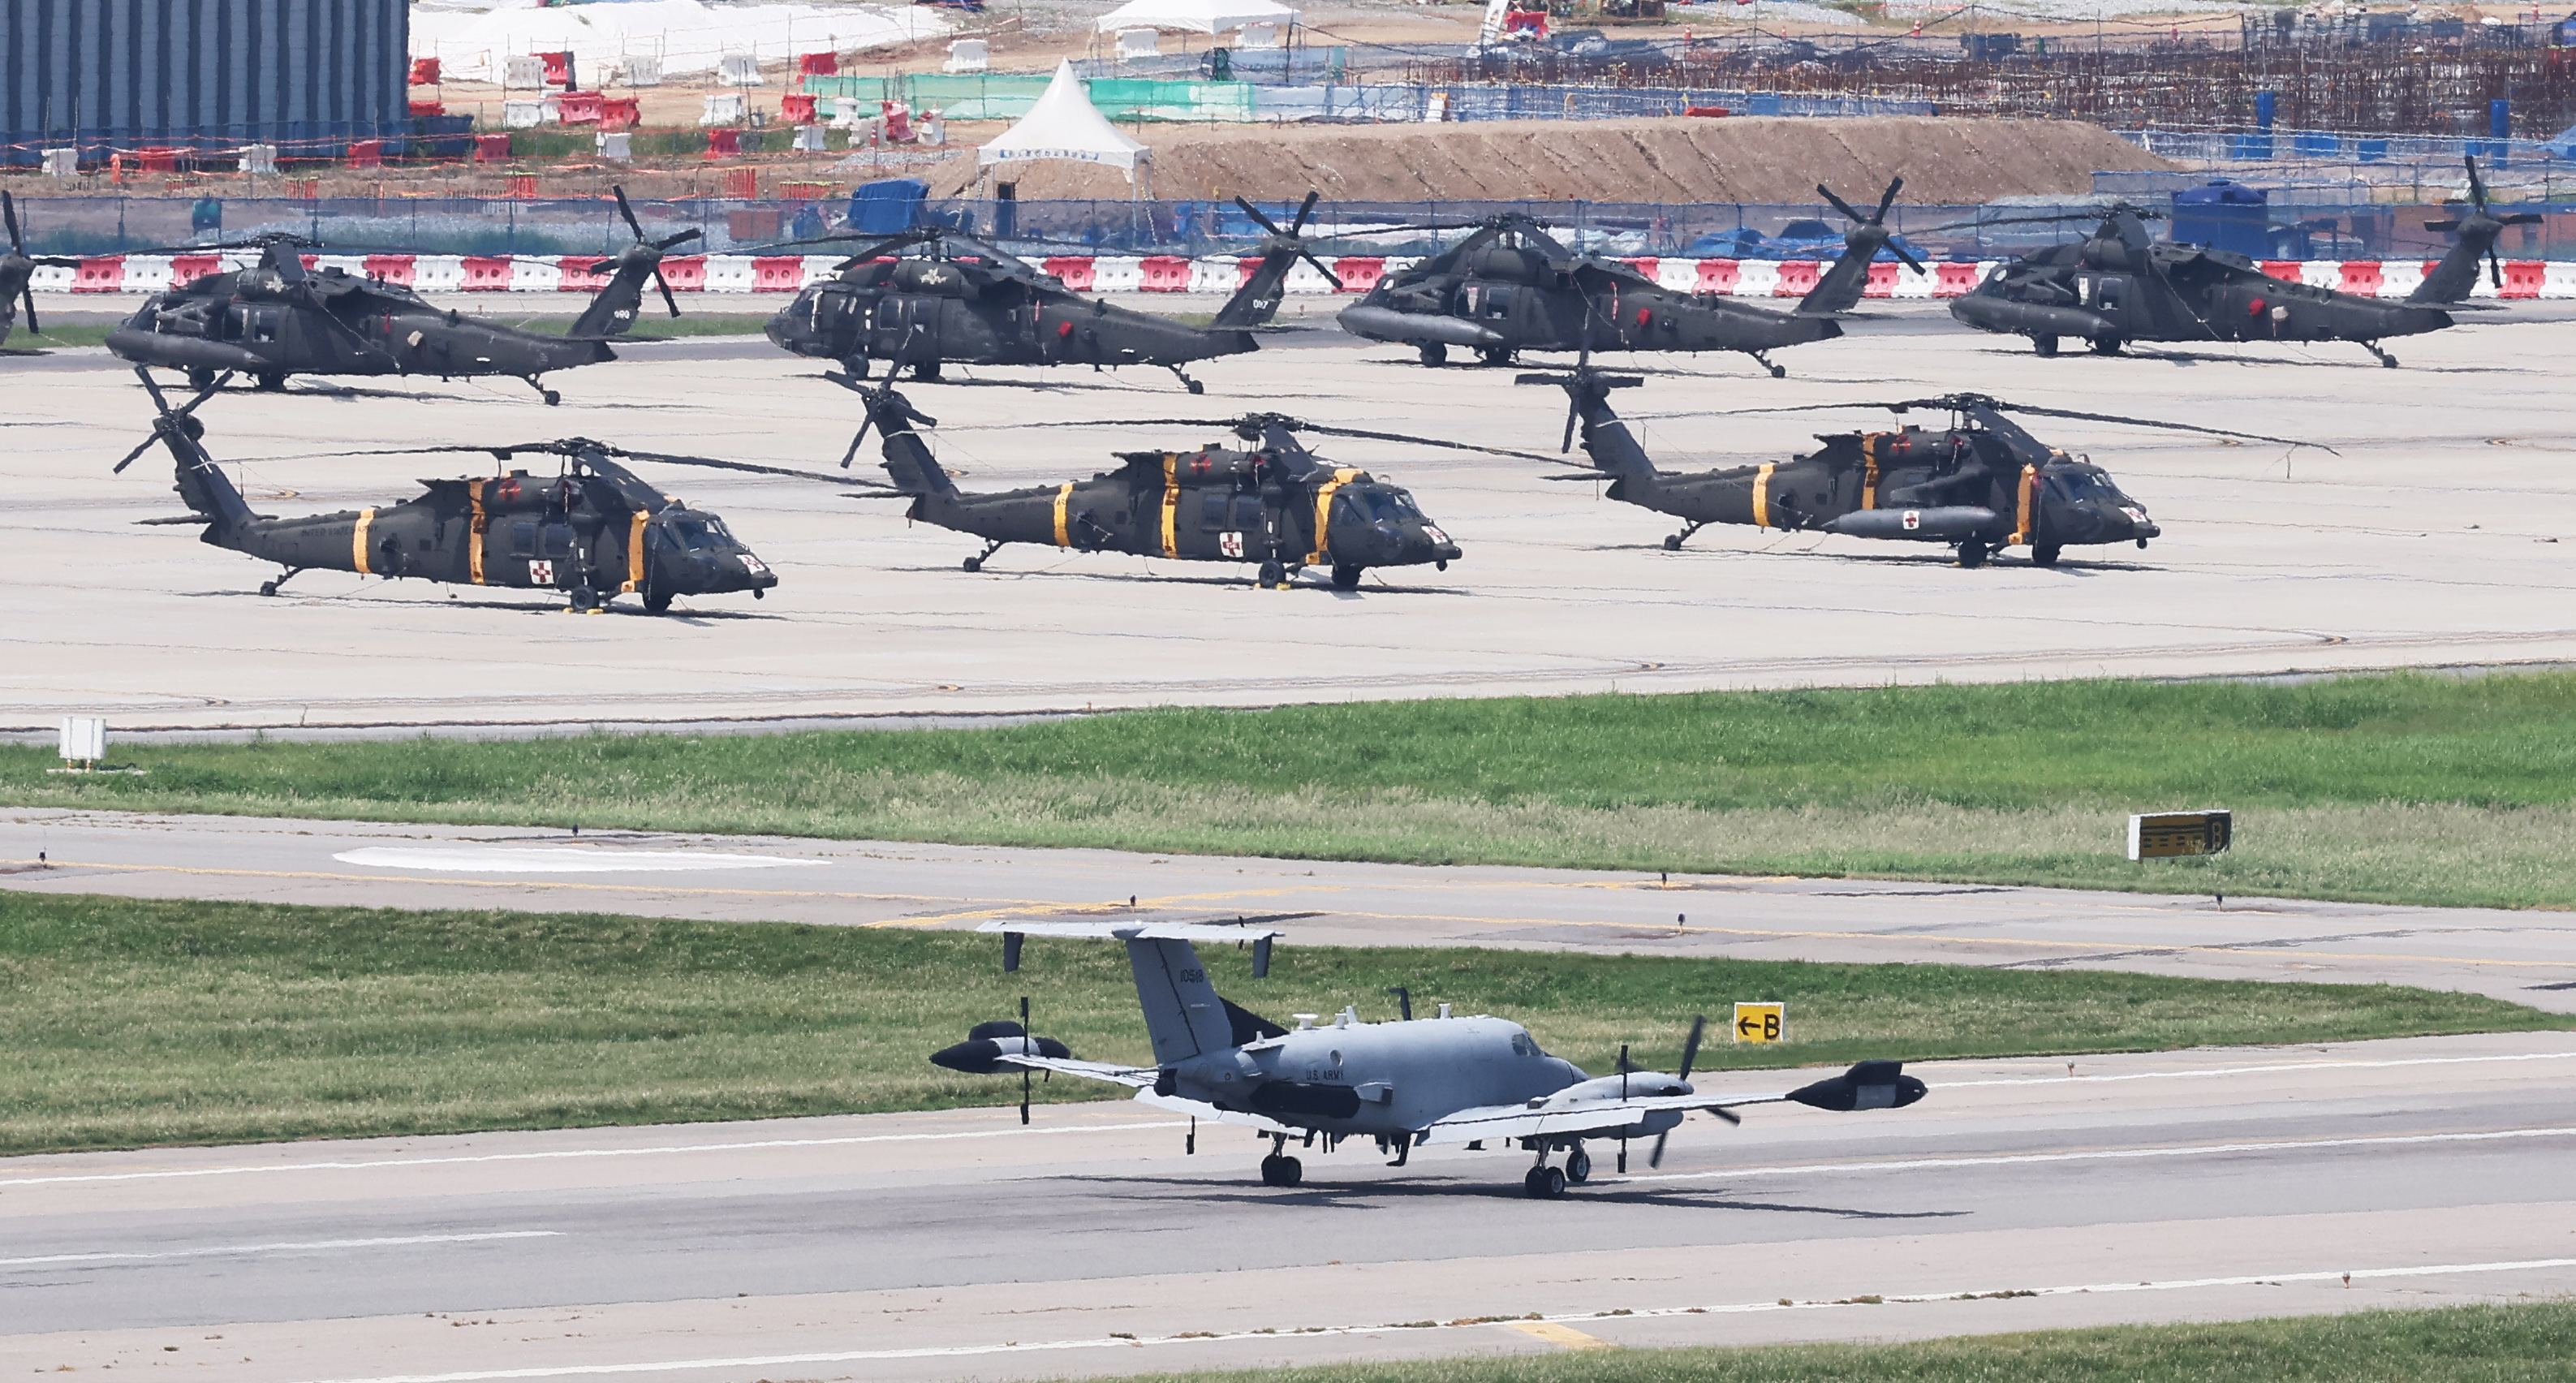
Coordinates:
x,y
2403,788
131,1022
2517,1342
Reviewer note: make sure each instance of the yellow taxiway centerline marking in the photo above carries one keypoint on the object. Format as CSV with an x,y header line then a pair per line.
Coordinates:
x,y
1555,1334
1006,909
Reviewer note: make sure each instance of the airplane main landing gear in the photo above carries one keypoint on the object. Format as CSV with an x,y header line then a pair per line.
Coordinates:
x,y
1279,1169
1578,1165
1544,1183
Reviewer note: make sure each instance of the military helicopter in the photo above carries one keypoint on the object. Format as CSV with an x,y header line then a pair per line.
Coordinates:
x,y
2119,285
17,273
960,299
1404,1084
1980,484
1271,500
1510,287
279,319
594,532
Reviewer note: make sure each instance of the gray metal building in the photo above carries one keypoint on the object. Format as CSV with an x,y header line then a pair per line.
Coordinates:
x,y
112,76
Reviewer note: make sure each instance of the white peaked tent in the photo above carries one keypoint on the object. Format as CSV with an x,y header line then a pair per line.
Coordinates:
x,y
1195,16
1065,125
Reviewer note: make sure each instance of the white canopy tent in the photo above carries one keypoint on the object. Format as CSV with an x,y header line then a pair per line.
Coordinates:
x,y
1065,125
1195,16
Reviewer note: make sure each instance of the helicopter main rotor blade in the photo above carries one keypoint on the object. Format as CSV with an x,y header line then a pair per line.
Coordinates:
x,y
678,238
1964,401
1907,256
713,463
1887,199
1305,209
2038,411
665,285
9,208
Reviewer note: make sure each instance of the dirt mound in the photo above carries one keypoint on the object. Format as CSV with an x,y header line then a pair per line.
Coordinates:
x,y
1676,159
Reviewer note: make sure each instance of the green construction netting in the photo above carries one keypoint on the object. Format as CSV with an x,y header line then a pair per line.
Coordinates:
x,y
966,97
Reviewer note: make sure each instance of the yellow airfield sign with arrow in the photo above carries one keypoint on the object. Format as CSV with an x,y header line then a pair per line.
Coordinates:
x,y
1760,1022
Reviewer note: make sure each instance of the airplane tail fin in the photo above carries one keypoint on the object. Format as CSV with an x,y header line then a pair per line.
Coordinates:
x,y
1184,1015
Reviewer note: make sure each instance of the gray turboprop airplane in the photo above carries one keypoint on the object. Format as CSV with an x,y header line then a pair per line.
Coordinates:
x,y
1405,1084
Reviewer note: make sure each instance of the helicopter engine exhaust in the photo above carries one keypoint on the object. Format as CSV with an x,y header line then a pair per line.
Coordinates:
x,y
1998,314
1948,524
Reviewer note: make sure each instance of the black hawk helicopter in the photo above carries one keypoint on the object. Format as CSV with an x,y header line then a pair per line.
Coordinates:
x,y
955,298
279,319
1271,500
1980,484
17,273
594,532
2119,284
1510,287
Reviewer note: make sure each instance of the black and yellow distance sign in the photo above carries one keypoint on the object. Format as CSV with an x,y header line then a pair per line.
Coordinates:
x,y
2172,835
1760,1022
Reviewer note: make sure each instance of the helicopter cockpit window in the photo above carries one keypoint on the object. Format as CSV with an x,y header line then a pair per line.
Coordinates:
x,y
1384,506
2078,486
700,531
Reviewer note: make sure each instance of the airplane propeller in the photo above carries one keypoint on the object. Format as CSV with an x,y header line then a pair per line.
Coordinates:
x,y
1871,230
1690,1057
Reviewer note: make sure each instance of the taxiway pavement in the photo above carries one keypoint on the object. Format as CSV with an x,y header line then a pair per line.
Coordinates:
x,y
2432,534
2526,957
2018,1195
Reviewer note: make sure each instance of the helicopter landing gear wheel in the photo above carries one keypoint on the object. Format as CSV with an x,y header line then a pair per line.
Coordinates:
x,y
657,602
976,562
1434,353
1544,1184
550,396
2384,357
856,367
1494,355
582,600
2044,554
1186,382
268,588
2107,345
272,381
1277,1170
1273,575
1672,542
1972,553
201,379
1763,358
927,372
2045,345
1346,576
1578,1165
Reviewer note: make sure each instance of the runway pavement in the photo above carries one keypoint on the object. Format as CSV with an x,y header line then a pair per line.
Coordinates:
x,y
2431,535
2525,957
2019,1194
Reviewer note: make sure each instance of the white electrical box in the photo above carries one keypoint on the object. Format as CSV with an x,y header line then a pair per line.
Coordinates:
x,y
84,739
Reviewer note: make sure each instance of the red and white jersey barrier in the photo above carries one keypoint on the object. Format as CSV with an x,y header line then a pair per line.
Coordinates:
x,y
1742,278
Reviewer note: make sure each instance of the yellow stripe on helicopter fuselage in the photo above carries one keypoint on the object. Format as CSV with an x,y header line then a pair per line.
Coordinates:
x,y
358,541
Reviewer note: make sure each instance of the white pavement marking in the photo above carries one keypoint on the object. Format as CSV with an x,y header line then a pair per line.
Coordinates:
x,y
586,1152
1915,1164
561,859
1273,1337
2261,1070
237,1250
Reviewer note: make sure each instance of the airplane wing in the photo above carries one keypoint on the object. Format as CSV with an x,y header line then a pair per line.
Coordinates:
x,y
1133,1077
1508,1121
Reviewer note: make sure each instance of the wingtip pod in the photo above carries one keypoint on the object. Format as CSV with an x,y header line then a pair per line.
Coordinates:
x,y
987,1043
1867,1085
